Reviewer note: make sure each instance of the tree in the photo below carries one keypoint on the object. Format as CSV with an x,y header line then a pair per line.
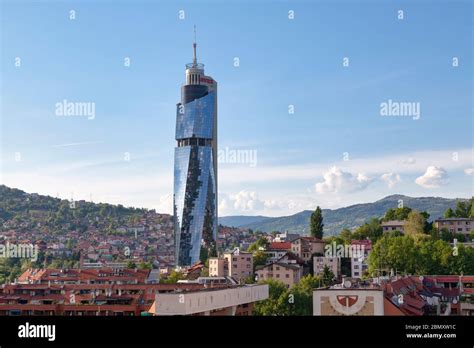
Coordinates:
x,y
259,259
463,209
298,300
173,278
471,235
327,276
449,213
131,264
145,265
260,243
396,214
415,223
372,230
346,235
316,223
272,305
446,235
422,256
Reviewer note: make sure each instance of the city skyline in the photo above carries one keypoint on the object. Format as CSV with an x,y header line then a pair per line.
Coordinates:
x,y
336,149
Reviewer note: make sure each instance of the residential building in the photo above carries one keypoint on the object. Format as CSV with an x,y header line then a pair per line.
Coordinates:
x,y
236,264
287,273
211,302
360,253
305,247
86,298
276,250
285,237
218,267
86,276
394,225
353,301
333,263
455,225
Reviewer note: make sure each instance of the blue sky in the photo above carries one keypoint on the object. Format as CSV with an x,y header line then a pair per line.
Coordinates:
x,y
301,157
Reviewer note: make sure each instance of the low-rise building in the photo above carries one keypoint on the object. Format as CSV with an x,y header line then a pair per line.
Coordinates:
x,y
236,264
333,263
287,273
455,225
238,300
393,225
285,237
352,301
277,250
305,247
360,253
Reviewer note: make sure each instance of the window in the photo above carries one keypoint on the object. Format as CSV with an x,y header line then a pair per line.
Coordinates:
x,y
287,275
278,276
356,267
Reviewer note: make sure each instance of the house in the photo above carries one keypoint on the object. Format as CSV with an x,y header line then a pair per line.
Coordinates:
x,y
285,237
277,250
455,225
287,273
333,263
236,264
360,253
394,225
305,247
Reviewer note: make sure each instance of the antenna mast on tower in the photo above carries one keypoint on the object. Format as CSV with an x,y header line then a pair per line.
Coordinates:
x,y
194,46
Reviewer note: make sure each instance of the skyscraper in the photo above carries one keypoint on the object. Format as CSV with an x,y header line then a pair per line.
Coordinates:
x,y
195,167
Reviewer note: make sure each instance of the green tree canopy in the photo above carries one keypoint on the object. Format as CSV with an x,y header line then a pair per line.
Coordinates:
x,y
397,214
415,223
316,223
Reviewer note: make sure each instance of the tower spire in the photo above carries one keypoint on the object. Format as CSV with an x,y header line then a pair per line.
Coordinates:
x,y
194,47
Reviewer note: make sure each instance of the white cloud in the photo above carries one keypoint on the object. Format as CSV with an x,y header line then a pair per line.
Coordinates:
x,y
403,164
248,202
244,201
409,160
335,180
469,171
165,204
391,179
434,177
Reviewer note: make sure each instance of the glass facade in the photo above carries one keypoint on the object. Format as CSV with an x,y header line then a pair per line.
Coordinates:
x,y
195,188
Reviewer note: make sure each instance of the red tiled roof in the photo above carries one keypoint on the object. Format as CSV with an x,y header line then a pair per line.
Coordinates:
x,y
446,279
280,245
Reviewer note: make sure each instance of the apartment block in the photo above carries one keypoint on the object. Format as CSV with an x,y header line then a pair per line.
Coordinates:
x,y
236,264
455,225
333,263
394,225
287,273
305,247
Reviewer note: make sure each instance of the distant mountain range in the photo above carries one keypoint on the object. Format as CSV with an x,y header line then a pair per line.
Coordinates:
x,y
54,216
336,219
